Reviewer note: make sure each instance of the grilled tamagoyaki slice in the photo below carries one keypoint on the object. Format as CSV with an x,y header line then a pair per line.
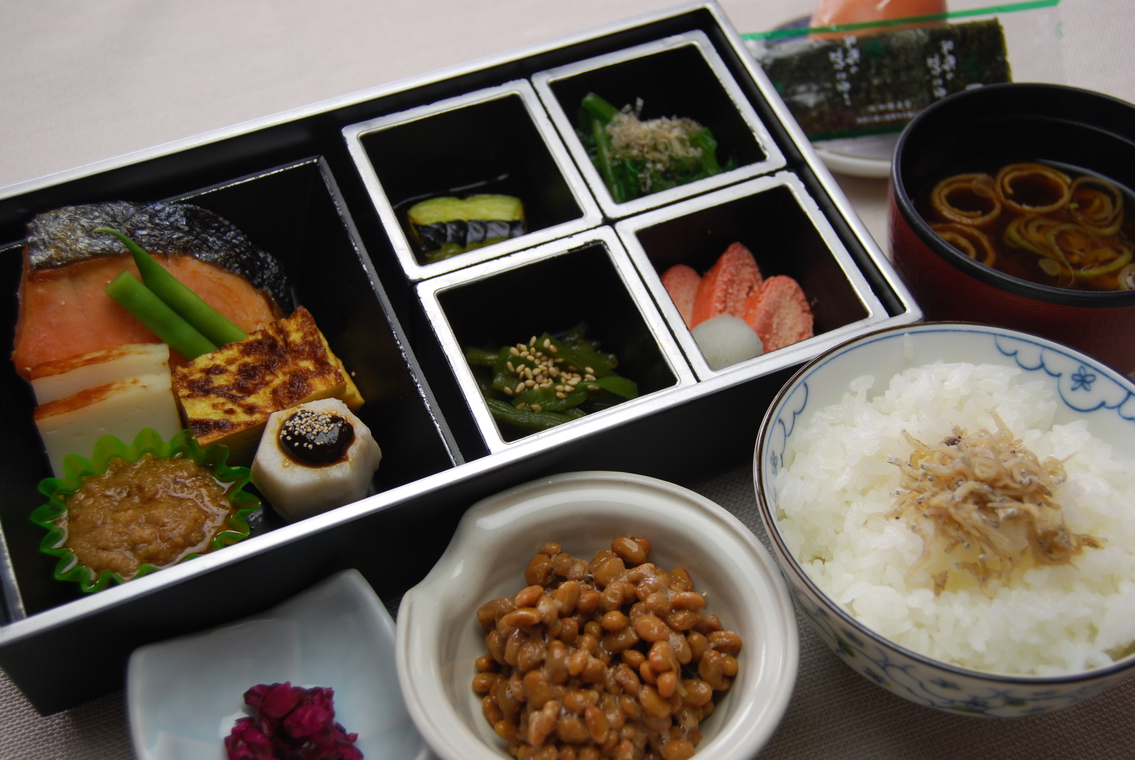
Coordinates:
x,y
227,396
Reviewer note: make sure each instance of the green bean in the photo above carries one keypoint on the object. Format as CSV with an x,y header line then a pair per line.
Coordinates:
x,y
620,386
179,297
526,418
161,320
481,357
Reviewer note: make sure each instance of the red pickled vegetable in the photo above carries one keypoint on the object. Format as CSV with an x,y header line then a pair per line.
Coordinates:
x,y
290,723
247,741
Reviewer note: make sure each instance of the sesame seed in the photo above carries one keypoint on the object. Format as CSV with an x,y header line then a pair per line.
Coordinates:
x,y
323,433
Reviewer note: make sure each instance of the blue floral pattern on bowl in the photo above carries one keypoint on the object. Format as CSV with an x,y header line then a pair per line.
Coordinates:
x,y
1085,387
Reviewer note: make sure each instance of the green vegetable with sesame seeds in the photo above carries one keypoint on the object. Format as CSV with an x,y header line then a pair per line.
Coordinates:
x,y
526,419
548,381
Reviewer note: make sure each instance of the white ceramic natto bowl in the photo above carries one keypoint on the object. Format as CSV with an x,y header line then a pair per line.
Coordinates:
x,y
1084,387
438,636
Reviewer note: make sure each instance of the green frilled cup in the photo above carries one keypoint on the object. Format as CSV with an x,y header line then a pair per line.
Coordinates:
x,y
52,516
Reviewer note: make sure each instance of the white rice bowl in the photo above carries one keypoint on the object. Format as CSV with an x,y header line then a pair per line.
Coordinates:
x,y
837,486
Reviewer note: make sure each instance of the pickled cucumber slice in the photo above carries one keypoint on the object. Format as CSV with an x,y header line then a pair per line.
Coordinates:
x,y
446,226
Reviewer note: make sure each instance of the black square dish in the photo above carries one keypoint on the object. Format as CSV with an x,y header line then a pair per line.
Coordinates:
x,y
496,141
775,219
585,282
294,212
677,77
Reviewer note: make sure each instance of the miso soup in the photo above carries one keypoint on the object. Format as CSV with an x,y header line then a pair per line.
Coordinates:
x,y
1053,225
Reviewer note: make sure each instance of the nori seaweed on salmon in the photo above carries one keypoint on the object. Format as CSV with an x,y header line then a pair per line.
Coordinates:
x,y
66,235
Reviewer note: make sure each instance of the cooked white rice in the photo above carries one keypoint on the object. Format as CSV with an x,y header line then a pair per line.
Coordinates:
x,y
1045,620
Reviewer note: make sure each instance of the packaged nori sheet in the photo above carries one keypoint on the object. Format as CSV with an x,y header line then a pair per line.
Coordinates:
x,y
860,85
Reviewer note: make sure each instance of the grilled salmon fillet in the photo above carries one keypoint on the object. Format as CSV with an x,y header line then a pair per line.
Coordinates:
x,y
64,311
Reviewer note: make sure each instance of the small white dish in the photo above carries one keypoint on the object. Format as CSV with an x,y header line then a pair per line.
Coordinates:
x,y
868,156
185,694
439,636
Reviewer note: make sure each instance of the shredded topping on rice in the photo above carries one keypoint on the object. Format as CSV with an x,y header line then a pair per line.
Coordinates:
x,y
987,502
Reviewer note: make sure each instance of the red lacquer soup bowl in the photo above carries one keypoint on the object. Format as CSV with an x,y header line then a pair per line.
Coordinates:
x,y
979,131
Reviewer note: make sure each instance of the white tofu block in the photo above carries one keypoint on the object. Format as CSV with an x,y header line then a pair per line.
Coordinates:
x,y
73,424
52,381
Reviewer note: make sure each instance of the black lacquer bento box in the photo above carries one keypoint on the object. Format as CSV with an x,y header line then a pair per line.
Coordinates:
x,y
325,189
